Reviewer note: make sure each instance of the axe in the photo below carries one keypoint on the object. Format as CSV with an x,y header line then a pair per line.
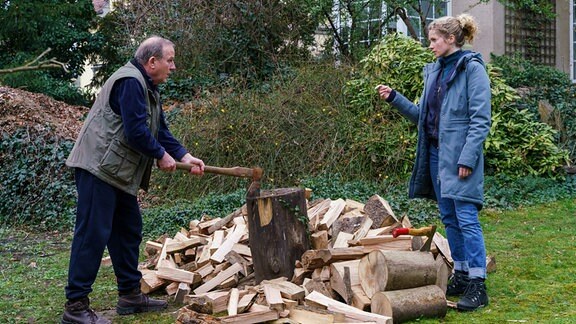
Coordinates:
x,y
254,173
428,231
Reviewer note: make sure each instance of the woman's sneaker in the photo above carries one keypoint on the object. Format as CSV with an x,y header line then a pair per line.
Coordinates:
x,y
474,297
457,283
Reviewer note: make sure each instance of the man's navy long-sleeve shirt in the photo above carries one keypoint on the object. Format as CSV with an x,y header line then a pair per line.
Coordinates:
x,y
128,99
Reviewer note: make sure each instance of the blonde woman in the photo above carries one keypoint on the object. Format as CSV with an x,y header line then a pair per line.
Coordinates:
x,y
453,118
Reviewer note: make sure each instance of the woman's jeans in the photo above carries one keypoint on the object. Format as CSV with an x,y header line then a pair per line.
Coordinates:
x,y
463,229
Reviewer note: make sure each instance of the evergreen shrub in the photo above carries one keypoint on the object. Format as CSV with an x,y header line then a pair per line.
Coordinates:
x,y
518,145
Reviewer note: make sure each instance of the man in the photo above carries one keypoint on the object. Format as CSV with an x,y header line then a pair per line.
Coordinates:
x,y
113,157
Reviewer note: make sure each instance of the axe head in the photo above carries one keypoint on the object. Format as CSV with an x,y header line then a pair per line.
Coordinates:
x,y
254,188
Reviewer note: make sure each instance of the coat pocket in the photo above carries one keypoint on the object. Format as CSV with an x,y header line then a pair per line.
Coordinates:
x,y
120,161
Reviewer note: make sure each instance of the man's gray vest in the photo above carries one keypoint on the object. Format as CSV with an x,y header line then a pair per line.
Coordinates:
x,y
102,148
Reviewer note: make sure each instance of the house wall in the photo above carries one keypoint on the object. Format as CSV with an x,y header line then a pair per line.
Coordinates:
x,y
490,19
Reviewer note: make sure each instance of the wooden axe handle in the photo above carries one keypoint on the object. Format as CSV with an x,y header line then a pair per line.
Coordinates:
x,y
423,231
234,171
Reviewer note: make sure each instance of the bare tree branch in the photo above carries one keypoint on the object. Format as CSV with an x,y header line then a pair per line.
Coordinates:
x,y
40,65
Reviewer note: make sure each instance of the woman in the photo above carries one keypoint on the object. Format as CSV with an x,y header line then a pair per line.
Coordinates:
x,y
453,118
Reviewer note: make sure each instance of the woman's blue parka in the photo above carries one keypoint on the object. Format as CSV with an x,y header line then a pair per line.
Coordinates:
x,y
464,125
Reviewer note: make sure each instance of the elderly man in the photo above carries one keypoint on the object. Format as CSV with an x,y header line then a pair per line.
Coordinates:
x,y
123,134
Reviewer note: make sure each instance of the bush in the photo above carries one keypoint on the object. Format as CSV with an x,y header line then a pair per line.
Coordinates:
x,y
542,86
518,145
36,188
292,127
387,137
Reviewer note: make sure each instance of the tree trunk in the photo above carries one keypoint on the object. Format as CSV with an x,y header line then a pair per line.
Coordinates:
x,y
384,270
409,304
277,224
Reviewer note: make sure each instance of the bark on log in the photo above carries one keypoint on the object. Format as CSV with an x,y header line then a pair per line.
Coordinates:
x,y
409,304
393,270
277,223
379,210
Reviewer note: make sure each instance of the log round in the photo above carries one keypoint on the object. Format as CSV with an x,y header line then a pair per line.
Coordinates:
x,y
384,270
409,304
277,226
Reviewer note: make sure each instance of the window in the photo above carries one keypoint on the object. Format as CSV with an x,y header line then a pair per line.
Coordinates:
x,y
432,11
373,19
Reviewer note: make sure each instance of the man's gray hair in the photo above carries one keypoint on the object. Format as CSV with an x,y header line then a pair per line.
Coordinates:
x,y
151,47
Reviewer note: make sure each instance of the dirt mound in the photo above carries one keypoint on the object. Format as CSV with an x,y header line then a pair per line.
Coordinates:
x,y
23,109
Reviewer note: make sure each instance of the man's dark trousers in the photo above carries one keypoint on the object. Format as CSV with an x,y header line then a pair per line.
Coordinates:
x,y
106,217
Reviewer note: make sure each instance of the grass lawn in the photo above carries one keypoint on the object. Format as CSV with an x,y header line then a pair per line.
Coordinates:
x,y
535,280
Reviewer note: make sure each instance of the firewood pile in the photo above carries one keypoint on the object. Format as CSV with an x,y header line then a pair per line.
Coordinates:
x,y
354,271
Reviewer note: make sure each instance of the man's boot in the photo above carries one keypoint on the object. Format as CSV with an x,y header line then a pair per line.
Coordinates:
x,y
474,297
457,283
79,311
137,302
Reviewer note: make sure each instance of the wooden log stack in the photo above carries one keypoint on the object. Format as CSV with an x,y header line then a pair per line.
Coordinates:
x,y
352,269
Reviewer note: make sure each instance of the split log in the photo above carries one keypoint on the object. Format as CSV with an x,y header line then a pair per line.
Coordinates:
x,y
188,316
245,302
220,223
442,245
353,205
350,290
305,316
300,274
220,277
336,208
342,240
362,230
228,244
178,275
208,303
379,210
319,286
277,223
234,257
313,259
183,290
351,314
317,212
337,279
233,301
347,223
179,245
320,240
386,242
150,281
172,288
392,270
322,273
287,289
443,273
254,315
409,304
273,297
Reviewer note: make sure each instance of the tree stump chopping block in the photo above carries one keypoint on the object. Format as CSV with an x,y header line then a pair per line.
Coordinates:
x,y
384,270
409,304
277,225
